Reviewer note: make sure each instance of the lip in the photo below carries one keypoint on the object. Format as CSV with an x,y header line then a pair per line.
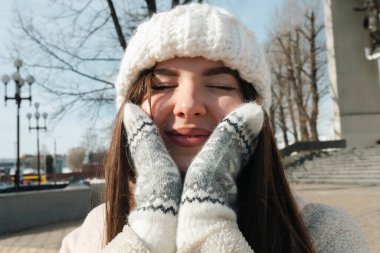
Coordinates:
x,y
188,137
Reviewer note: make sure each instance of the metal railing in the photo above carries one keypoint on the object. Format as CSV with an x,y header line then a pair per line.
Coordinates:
x,y
312,145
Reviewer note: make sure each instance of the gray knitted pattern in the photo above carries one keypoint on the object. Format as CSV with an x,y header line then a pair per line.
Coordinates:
x,y
158,185
211,176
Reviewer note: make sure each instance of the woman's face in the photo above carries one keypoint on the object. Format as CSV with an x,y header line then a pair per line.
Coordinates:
x,y
189,97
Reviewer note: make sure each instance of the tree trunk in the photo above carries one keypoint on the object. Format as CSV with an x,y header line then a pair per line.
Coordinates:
x,y
284,128
298,86
175,3
291,111
282,118
314,80
291,83
151,4
119,31
273,118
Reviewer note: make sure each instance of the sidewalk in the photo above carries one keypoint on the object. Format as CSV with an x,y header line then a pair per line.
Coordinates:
x,y
46,239
363,204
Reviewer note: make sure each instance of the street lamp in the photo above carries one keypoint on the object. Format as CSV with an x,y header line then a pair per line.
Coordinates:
x,y
37,127
19,82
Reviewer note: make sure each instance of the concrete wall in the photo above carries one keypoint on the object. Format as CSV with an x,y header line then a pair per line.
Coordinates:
x,y
19,211
357,79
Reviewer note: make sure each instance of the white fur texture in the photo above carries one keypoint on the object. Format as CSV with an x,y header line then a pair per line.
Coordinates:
x,y
156,238
252,115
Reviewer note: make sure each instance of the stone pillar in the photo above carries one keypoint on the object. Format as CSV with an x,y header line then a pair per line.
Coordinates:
x,y
354,79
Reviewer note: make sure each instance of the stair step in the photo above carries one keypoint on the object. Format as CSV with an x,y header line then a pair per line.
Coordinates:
x,y
334,168
306,174
334,178
347,166
336,181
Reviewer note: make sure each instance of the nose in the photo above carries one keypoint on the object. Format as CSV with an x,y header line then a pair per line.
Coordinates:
x,y
189,102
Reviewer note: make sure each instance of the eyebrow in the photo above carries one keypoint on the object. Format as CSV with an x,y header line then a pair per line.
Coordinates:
x,y
165,72
207,72
220,70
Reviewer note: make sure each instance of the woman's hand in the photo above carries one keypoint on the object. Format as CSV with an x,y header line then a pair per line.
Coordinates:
x,y
206,213
158,183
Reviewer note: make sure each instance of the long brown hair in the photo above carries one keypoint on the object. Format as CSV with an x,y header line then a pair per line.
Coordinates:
x,y
268,216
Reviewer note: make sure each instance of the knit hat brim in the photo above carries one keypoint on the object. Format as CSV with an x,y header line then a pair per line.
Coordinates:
x,y
195,30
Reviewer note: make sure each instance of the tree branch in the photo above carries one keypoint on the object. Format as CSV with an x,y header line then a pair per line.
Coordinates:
x,y
116,23
151,7
72,69
175,3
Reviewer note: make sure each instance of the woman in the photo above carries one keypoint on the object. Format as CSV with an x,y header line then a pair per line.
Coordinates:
x,y
193,164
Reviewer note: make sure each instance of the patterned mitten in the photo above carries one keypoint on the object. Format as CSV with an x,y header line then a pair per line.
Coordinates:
x,y
206,216
158,183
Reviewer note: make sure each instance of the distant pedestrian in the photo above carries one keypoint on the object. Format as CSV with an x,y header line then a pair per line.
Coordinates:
x,y
193,164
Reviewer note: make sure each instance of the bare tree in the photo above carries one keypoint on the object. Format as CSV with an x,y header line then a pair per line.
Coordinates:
x,y
281,105
97,156
94,145
291,50
75,158
297,57
311,33
290,106
76,50
90,140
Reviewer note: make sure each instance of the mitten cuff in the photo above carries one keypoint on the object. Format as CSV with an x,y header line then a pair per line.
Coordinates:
x,y
199,220
156,229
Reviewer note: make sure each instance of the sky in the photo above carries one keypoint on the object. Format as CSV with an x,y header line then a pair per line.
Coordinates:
x,y
68,133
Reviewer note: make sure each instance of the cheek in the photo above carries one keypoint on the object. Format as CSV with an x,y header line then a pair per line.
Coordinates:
x,y
227,104
157,109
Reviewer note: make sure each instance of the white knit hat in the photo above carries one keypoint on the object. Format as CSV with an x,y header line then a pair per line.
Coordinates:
x,y
190,31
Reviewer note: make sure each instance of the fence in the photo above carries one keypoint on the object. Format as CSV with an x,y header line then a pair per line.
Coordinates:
x,y
23,210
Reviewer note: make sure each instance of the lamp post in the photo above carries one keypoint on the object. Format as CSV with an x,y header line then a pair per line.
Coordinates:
x,y
37,127
19,82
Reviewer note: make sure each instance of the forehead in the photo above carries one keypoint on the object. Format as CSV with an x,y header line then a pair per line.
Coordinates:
x,y
192,64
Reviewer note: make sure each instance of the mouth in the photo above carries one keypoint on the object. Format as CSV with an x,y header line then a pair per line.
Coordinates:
x,y
188,137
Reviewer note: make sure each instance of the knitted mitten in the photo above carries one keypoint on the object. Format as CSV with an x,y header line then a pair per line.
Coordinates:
x,y
158,183
210,191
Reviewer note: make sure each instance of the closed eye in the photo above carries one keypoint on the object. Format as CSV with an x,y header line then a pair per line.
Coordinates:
x,y
163,86
220,86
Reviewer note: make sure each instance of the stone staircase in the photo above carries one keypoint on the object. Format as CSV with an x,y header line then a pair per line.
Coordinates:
x,y
344,166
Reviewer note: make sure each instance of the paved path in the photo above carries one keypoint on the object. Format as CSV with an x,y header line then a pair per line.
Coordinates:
x,y
46,239
363,203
